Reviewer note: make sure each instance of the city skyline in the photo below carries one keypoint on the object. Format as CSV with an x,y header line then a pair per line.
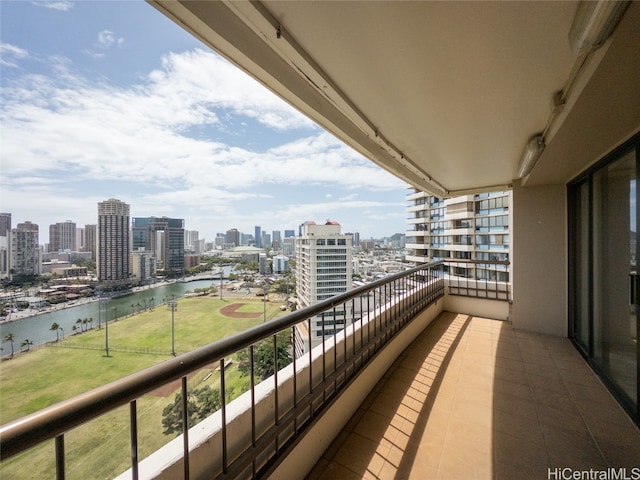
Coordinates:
x,y
127,105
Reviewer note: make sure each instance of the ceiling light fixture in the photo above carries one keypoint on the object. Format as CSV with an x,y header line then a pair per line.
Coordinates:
x,y
593,23
530,156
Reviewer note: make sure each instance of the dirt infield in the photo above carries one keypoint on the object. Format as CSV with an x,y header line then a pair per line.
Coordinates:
x,y
231,311
169,388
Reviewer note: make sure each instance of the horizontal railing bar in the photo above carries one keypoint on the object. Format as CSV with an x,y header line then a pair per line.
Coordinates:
x,y
57,419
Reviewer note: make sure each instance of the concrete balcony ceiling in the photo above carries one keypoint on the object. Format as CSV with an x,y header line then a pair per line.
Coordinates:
x,y
445,95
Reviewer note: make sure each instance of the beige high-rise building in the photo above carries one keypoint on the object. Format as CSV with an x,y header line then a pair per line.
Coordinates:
x,y
114,241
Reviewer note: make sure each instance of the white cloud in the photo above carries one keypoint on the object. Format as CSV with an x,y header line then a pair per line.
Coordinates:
x,y
10,53
61,131
62,5
106,39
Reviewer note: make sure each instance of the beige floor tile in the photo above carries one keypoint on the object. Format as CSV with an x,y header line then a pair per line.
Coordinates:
x,y
458,463
517,458
479,400
334,471
526,428
362,455
506,372
470,411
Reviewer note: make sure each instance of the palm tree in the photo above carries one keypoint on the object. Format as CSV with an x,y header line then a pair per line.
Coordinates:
x,y
26,343
79,323
74,329
56,327
9,338
90,322
85,321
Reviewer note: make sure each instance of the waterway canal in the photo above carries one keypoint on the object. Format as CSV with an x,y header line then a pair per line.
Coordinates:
x,y
37,328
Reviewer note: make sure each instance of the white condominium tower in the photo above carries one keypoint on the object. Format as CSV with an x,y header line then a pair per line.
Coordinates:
x,y
25,256
324,269
464,231
114,241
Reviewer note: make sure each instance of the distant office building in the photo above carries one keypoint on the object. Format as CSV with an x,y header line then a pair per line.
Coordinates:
x,y
263,264
356,239
276,240
324,269
91,240
80,239
266,240
289,233
62,236
191,238
233,236
246,239
164,237
367,245
5,224
220,240
257,236
113,240
280,264
143,265
5,235
289,246
25,258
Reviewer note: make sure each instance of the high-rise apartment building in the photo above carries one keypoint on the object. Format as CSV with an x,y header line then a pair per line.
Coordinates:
x,y
25,250
460,230
5,224
324,269
191,238
164,237
233,237
62,236
289,233
276,240
289,246
80,239
5,236
113,241
257,236
91,240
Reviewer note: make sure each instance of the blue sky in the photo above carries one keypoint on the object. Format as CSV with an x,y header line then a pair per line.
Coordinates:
x,y
113,100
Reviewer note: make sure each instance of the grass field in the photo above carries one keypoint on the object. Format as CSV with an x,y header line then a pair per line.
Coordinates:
x,y
100,449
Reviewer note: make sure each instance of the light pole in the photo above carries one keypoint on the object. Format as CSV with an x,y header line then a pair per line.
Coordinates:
x,y
173,306
264,302
221,279
105,302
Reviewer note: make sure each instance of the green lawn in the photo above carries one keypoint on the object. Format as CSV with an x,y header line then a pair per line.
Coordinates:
x,y
47,375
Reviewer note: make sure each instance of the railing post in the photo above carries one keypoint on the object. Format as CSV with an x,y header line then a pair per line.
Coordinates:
x,y
60,473
185,428
133,419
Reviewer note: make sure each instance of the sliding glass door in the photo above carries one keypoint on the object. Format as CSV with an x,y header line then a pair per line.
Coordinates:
x,y
603,287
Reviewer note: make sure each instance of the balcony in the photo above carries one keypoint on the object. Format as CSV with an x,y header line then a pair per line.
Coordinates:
x,y
474,398
413,389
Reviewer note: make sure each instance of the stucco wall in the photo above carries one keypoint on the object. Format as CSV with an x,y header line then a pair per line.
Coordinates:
x,y
539,259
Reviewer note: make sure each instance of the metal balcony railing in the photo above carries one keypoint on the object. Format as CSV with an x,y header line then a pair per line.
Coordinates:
x,y
478,278
374,314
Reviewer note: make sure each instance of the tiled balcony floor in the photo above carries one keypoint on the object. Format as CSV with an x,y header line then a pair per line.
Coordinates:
x,y
472,398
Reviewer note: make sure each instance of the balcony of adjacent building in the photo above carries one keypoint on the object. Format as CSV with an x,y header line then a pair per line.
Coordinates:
x,y
429,382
